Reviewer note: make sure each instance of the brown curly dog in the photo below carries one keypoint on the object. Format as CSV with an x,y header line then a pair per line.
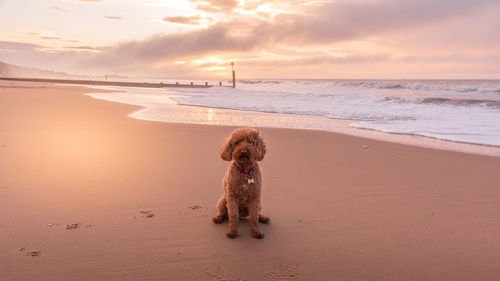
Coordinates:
x,y
243,181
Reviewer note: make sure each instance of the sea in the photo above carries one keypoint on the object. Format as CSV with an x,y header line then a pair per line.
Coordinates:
x,y
458,115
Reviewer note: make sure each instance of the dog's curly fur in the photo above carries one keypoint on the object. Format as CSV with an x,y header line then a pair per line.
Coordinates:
x,y
242,183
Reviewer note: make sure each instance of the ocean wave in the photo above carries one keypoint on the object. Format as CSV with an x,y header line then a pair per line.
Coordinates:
x,y
493,104
462,102
259,81
460,86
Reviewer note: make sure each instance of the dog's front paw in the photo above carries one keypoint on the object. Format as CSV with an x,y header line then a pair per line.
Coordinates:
x,y
257,234
264,219
232,234
218,219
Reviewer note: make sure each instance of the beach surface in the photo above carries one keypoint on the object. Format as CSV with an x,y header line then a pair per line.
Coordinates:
x,y
87,193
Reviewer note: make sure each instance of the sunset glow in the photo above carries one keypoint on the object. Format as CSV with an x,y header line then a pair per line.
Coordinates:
x,y
267,39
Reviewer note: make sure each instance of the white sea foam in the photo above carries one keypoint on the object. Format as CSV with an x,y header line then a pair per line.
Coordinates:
x,y
459,111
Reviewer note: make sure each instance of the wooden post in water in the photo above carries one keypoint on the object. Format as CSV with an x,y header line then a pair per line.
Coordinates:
x,y
234,76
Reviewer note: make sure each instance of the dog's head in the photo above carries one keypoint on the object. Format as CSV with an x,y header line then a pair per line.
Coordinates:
x,y
244,145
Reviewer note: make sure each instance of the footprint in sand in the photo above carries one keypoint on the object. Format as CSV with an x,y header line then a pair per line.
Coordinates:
x,y
283,272
73,226
34,253
147,214
217,272
199,210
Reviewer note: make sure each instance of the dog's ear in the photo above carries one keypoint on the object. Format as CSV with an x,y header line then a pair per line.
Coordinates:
x,y
261,147
226,150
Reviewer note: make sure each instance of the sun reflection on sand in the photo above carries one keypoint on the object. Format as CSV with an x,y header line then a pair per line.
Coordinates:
x,y
204,115
210,115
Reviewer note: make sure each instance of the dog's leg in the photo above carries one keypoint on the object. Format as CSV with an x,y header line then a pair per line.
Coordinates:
x,y
234,217
262,218
221,210
253,209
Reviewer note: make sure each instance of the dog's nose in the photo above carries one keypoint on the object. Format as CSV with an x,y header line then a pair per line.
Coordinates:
x,y
244,152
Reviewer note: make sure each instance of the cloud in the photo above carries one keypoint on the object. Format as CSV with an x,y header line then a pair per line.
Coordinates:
x,y
355,59
192,20
346,20
329,23
87,48
216,5
476,32
17,46
72,41
456,58
57,8
51,37
85,1
157,48
26,54
113,17
33,33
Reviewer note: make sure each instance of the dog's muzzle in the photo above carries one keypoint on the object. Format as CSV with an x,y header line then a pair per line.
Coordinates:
x,y
244,154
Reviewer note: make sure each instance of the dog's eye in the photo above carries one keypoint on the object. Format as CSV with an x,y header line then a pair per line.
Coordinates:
x,y
238,142
251,142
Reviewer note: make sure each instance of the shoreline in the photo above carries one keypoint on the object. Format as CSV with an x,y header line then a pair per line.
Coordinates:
x,y
206,115
389,212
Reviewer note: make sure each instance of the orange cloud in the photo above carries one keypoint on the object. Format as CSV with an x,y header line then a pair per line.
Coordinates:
x,y
113,17
193,20
51,37
57,8
87,48
216,5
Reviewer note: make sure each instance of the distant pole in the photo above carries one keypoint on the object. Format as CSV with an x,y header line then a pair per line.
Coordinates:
x,y
234,75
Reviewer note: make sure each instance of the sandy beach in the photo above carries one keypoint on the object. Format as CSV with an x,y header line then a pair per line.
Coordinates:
x,y
87,193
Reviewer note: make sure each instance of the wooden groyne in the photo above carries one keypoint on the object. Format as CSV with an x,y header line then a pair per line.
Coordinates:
x,y
109,83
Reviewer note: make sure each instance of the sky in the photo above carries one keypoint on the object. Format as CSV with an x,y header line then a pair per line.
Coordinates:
x,y
339,39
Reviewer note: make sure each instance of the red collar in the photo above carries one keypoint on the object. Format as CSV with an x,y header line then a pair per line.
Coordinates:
x,y
246,171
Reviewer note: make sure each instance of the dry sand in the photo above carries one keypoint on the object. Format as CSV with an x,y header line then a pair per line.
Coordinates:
x,y
87,193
